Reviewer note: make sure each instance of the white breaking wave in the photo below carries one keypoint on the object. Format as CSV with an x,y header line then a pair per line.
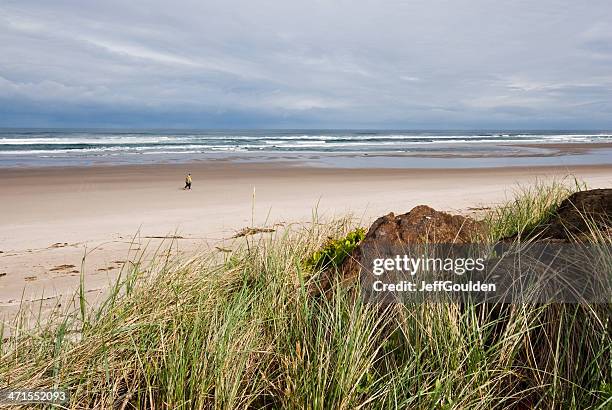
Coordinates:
x,y
82,144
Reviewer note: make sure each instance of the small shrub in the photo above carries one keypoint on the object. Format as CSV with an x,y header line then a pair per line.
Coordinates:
x,y
334,252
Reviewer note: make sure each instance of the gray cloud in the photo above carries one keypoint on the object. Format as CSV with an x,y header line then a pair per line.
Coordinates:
x,y
282,63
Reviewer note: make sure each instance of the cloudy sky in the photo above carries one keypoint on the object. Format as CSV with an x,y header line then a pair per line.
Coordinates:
x,y
311,64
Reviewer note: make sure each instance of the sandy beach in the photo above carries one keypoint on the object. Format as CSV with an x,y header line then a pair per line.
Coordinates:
x,y
56,223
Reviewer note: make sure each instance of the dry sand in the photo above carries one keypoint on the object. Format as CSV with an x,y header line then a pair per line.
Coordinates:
x,y
50,218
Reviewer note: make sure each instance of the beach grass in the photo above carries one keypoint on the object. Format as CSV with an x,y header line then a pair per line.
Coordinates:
x,y
243,329
530,206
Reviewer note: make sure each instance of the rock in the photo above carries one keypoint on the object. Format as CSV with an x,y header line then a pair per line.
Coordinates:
x,y
424,225
577,216
421,225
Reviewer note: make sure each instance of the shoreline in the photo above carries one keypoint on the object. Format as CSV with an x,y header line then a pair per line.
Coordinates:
x,y
286,162
426,155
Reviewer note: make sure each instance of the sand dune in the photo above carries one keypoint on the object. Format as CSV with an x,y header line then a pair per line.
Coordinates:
x,y
50,219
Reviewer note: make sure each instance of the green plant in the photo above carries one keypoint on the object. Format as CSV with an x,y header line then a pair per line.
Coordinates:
x,y
335,251
530,207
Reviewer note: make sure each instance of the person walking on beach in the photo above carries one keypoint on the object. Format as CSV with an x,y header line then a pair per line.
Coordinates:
x,y
188,182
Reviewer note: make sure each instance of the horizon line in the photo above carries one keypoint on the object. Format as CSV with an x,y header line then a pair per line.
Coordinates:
x,y
303,129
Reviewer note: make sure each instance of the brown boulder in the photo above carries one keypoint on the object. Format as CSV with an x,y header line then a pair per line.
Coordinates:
x,y
424,225
421,225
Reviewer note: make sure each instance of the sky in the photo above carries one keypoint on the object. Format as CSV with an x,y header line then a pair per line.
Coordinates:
x,y
428,64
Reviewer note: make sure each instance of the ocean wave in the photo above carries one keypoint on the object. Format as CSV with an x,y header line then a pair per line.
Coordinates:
x,y
82,144
269,139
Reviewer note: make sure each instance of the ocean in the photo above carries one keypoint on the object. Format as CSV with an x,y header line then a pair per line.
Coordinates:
x,y
48,147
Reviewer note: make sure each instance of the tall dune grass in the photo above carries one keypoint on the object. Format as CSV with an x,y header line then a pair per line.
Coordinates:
x,y
530,206
243,330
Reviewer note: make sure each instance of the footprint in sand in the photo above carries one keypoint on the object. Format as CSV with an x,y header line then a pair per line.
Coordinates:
x,y
30,278
2,274
62,245
106,269
64,269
